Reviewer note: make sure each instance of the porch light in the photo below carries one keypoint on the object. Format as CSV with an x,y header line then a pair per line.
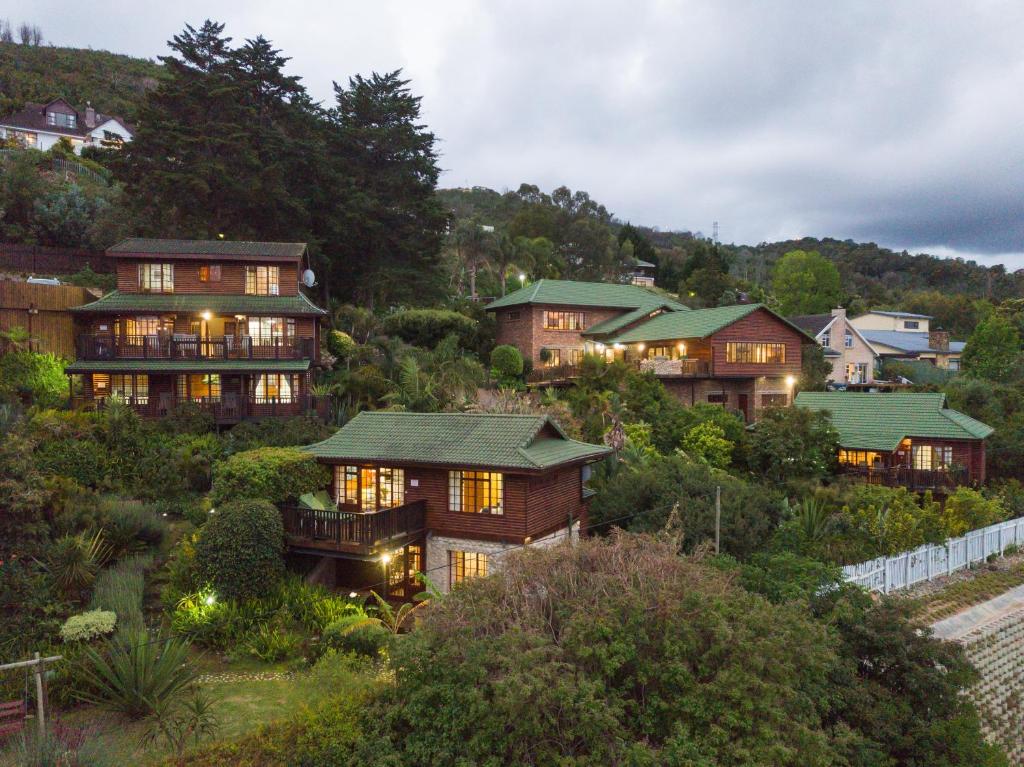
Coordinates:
x,y
385,558
639,347
206,316
239,316
790,381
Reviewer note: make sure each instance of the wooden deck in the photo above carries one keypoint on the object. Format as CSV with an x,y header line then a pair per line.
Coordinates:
x,y
353,533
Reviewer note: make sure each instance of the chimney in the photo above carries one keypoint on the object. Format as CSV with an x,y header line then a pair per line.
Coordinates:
x,y
938,340
839,312
90,116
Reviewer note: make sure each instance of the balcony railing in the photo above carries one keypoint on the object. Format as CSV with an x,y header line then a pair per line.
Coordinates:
x,y
353,531
184,346
676,368
549,373
908,477
226,409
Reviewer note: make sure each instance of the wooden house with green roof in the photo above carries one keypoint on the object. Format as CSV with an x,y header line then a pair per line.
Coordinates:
x,y
904,439
449,493
744,357
217,323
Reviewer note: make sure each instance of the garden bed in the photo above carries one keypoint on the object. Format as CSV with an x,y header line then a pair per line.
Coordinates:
x,y
946,596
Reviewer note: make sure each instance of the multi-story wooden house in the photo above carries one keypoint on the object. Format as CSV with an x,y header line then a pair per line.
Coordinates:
x,y
448,494
744,357
217,323
904,439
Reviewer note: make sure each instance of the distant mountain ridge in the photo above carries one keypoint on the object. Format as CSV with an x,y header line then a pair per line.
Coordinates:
x,y
112,82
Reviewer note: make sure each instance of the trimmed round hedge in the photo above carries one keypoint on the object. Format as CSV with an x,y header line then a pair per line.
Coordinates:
x,y
240,551
507,361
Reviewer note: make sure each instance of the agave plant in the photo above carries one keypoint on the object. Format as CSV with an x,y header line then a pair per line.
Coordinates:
x,y
75,559
136,676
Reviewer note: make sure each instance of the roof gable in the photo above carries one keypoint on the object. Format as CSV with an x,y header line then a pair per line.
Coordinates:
x,y
813,324
880,421
697,323
597,294
489,440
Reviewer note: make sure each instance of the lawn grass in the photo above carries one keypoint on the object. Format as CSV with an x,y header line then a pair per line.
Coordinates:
x,y
962,594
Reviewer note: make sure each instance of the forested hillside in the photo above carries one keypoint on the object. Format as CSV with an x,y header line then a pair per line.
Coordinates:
x,y
115,84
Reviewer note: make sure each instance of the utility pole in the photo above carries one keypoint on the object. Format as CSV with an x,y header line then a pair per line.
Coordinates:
x,y
40,705
718,519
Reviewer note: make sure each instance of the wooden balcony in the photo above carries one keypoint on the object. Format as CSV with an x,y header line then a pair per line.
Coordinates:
x,y
689,368
227,409
553,374
358,533
939,480
182,346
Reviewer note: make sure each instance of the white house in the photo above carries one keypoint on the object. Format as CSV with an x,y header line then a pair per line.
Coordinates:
x,y
902,335
852,356
40,126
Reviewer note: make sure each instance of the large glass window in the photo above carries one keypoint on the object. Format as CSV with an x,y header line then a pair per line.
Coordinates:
x,y
756,353
61,119
565,320
277,387
156,278
144,326
463,565
476,492
131,388
199,387
263,280
552,358
265,329
370,488
860,458
932,457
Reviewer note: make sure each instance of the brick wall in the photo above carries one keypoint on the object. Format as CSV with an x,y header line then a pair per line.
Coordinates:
x,y
523,327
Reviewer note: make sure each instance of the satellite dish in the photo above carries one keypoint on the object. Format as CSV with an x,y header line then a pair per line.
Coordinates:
x,y
308,278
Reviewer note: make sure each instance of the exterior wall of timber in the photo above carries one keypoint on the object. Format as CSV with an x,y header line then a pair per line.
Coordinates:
x,y
523,327
186,276
969,453
757,327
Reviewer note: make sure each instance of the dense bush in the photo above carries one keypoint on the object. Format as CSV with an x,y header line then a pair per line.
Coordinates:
x,y
275,474
967,510
428,327
353,633
240,549
35,379
341,345
792,443
278,432
89,625
642,499
85,461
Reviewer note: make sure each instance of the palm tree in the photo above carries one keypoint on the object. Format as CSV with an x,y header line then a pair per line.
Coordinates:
x,y
414,390
474,246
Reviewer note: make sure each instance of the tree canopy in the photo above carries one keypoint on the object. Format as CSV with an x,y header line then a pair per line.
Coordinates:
x,y
806,283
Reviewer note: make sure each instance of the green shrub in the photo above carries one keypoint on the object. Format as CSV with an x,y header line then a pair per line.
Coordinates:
x,y
506,362
131,526
36,379
341,345
240,549
279,432
706,443
270,643
89,625
892,520
135,677
967,510
275,474
83,460
428,327
792,443
353,633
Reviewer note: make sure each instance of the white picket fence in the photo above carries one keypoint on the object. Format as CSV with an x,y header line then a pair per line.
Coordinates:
x,y
932,560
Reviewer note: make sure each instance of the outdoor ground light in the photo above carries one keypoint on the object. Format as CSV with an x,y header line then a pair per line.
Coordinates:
x,y
210,599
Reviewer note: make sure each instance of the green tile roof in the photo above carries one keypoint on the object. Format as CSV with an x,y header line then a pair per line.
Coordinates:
x,y
880,421
144,246
612,324
571,293
117,301
455,439
698,323
187,366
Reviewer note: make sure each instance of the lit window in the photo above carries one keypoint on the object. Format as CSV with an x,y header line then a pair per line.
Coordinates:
x,y
575,356
565,320
756,353
665,352
932,457
475,492
143,326
156,278
130,388
464,565
277,387
201,387
552,357
370,488
262,280
209,273
265,329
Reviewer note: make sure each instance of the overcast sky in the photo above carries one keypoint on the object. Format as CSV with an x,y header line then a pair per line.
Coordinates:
x,y
895,122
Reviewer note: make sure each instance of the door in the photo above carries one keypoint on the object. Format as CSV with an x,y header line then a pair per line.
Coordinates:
x,y
743,402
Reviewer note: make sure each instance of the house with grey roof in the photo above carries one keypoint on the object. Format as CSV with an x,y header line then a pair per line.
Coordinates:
x,y
219,325
905,335
41,126
904,439
449,494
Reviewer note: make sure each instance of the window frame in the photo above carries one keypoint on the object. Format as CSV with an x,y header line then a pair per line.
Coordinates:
x,y
483,487
557,319
848,339
911,324
749,352
212,381
768,396
210,273
262,280
156,277
466,565
351,487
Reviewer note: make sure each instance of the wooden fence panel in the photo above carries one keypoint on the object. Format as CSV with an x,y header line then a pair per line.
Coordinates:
x,y
43,311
